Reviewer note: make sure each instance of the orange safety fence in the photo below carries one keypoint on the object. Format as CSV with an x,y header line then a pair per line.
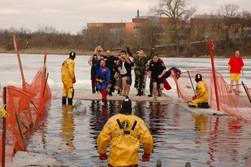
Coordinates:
x,y
25,107
233,103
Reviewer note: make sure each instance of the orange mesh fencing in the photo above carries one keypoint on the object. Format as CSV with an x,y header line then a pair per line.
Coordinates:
x,y
235,104
25,106
40,100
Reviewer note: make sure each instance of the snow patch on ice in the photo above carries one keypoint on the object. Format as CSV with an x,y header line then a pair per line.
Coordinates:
x,y
35,159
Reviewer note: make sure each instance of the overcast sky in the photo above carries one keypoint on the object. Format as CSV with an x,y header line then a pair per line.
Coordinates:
x,y
72,15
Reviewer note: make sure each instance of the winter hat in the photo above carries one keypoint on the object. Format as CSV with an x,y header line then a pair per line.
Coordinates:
x,y
198,77
72,55
126,106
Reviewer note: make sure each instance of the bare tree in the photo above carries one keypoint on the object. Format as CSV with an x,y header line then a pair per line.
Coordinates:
x,y
92,37
176,10
151,32
245,31
230,15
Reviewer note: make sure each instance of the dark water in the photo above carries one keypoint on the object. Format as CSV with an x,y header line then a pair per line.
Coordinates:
x,y
179,135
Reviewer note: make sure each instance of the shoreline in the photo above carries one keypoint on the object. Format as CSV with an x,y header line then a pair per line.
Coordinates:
x,y
81,52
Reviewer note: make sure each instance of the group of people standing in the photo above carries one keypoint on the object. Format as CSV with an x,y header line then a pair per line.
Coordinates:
x,y
114,72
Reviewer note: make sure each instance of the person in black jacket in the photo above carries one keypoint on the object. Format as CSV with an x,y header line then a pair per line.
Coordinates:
x,y
92,62
157,71
110,61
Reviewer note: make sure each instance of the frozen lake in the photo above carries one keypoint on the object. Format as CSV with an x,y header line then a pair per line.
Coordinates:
x,y
179,135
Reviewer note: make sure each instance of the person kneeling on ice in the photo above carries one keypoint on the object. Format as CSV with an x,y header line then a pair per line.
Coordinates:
x,y
200,100
125,132
103,76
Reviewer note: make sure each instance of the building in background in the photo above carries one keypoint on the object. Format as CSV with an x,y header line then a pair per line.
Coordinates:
x,y
192,35
143,31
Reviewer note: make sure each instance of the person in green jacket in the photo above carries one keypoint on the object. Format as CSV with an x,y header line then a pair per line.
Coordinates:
x,y
140,61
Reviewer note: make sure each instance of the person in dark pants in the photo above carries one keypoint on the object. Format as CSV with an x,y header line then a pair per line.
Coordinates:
x,y
110,61
151,81
157,70
92,62
140,61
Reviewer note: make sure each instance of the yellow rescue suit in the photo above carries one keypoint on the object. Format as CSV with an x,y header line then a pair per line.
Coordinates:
x,y
67,75
201,94
125,132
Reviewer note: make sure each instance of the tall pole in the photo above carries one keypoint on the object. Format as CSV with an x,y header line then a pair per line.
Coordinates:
x,y
211,48
45,57
22,72
4,127
19,61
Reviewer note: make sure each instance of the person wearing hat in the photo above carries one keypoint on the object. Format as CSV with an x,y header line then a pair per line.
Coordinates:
x,y
200,100
125,132
68,78
92,62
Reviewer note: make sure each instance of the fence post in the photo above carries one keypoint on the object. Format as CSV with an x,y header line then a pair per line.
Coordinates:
x,y
4,127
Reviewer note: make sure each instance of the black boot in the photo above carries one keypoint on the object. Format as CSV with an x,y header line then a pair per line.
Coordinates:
x,y
110,93
69,101
141,93
63,100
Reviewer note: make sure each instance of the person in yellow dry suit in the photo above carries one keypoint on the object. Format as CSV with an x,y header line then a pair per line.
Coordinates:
x,y
125,132
68,78
200,100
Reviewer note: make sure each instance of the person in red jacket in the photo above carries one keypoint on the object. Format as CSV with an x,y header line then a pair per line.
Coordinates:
x,y
235,67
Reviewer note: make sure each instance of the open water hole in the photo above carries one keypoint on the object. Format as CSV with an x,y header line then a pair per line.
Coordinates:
x,y
180,136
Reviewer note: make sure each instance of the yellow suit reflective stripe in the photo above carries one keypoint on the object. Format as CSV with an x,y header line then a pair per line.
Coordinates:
x,y
122,131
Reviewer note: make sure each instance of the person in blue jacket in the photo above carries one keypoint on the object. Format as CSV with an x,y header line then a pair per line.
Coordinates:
x,y
103,77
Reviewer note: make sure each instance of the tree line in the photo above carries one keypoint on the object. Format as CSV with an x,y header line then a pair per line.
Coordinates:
x,y
229,28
